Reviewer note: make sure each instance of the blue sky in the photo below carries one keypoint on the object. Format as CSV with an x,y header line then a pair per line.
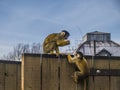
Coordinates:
x,y
29,21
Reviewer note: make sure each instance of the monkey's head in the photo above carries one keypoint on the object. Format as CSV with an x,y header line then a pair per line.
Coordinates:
x,y
79,54
65,34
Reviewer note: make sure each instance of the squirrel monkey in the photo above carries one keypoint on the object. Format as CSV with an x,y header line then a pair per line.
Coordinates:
x,y
55,40
81,64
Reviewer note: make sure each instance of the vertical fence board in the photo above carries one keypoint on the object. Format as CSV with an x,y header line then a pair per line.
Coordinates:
x,y
115,83
18,76
80,85
101,64
114,64
31,72
2,76
101,83
10,76
50,71
90,82
115,80
66,72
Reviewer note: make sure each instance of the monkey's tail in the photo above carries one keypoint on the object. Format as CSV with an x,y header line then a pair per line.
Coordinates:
x,y
85,83
85,86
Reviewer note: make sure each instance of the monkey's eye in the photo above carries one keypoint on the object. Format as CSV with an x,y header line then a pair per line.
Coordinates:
x,y
75,54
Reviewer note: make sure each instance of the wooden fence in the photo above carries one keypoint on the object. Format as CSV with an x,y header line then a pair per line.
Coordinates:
x,y
10,75
48,72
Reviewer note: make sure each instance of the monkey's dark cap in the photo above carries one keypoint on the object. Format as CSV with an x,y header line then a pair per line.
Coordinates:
x,y
66,33
80,53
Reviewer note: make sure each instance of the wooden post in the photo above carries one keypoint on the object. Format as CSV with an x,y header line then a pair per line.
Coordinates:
x,y
10,77
50,73
66,72
18,77
9,74
115,80
31,71
2,77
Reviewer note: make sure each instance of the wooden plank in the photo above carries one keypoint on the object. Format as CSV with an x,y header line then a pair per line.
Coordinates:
x,y
90,62
50,74
82,85
114,64
36,74
115,80
18,76
66,72
114,83
90,83
101,83
2,76
101,64
10,76
31,72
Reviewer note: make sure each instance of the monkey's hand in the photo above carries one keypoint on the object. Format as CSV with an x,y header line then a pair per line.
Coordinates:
x,y
68,42
69,58
57,54
62,42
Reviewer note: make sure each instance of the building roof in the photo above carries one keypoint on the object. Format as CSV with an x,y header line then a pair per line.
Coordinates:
x,y
98,32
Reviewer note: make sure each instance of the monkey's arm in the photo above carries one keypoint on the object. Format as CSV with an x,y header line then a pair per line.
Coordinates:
x,y
62,42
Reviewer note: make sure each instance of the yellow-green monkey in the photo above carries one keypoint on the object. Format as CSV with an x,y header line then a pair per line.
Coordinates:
x,y
81,64
53,41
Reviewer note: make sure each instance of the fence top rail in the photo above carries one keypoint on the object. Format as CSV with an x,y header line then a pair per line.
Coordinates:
x,y
10,62
65,55
61,56
45,55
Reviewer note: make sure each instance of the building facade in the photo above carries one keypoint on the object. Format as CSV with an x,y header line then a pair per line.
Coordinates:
x,y
99,44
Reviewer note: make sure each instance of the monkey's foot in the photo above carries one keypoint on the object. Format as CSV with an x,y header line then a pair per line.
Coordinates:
x,y
75,78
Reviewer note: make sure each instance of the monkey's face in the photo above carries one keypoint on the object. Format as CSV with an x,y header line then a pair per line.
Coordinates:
x,y
78,56
64,35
